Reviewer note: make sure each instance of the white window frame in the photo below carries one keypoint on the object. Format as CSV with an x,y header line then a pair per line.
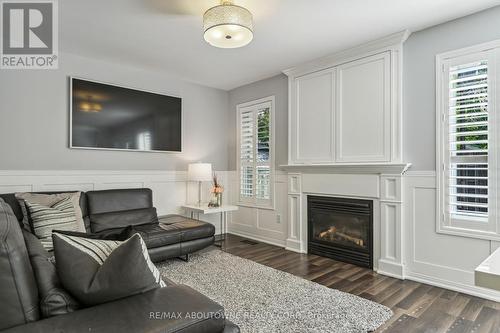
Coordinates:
x,y
489,230
254,106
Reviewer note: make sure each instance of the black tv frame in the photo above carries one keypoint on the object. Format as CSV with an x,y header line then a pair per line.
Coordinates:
x,y
70,102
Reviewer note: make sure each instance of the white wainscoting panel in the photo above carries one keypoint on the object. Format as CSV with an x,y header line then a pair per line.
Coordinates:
x,y
16,188
261,224
170,188
442,260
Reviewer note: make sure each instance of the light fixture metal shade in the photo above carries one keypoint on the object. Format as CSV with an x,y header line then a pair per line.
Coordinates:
x,y
228,26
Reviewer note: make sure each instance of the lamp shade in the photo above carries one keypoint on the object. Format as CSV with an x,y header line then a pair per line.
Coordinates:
x,y
200,172
228,25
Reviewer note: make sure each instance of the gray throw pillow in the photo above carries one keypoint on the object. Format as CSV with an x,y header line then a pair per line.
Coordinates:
x,y
49,200
45,219
97,271
54,300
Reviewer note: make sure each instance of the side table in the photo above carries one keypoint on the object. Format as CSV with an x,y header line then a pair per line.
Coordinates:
x,y
195,209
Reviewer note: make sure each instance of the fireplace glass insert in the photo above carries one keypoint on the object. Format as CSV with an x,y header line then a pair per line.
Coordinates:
x,y
341,229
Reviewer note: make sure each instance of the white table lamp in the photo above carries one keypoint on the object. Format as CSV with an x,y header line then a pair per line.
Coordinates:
x,y
200,172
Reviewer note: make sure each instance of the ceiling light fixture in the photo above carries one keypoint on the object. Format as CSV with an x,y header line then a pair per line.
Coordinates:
x,y
228,26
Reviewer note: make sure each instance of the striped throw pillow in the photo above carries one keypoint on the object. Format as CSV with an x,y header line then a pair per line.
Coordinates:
x,y
60,216
97,271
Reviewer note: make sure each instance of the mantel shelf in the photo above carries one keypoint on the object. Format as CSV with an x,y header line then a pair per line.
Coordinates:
x,y
366,168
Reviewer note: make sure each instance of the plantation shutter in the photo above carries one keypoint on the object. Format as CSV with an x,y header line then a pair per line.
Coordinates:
x,y
468,127
247,145
255,155
263,168
468,107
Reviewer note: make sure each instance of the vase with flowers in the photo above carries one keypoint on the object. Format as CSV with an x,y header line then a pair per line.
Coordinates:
x,y
216,190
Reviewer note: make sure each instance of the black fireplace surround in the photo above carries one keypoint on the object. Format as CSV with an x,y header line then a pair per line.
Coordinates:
x,y
341,229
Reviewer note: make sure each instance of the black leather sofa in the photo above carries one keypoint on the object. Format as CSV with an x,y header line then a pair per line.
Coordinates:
x,y
115,212
147,312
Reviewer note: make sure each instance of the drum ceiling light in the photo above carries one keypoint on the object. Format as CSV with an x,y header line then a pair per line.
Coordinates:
x,y
228,25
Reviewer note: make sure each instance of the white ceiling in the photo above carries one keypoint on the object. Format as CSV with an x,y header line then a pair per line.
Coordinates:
x,y
167,35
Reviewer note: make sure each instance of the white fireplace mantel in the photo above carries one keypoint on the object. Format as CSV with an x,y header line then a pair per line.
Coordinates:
x,y
381,183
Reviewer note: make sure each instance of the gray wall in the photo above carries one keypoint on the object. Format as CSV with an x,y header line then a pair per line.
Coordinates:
x,y
34,119
277,86
34,108
419,83
419,92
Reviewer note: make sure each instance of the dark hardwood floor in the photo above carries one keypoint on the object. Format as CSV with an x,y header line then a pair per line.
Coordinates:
x,y
417,307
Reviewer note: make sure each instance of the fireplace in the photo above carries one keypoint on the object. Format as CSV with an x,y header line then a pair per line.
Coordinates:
x,y
341,229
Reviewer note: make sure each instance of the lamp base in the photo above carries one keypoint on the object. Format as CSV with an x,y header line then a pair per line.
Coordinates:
x,y
199,194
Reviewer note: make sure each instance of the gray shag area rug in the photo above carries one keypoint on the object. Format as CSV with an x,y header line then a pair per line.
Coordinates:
x,y
262,299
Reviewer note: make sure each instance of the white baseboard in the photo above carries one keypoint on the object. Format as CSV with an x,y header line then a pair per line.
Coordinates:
x,y
397,271
462,288
430,257
258,238
390,269
293,245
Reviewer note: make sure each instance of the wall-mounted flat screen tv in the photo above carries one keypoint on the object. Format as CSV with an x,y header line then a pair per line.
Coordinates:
x,y
106,116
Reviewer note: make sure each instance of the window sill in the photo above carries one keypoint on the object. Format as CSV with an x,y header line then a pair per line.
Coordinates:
x,y
477,234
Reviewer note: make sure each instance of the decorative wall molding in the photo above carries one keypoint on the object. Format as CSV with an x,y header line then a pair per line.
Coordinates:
x,y
456,286
441,260
384,190
267,225
406,243
170,188
449,265
259,238
293,242
175,175
391,226
170,191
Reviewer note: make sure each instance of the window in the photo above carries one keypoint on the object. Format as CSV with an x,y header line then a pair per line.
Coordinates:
x,y
467,142
256,152
144,141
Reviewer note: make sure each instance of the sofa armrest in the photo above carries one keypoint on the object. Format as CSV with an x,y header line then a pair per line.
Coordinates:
x,y
172,309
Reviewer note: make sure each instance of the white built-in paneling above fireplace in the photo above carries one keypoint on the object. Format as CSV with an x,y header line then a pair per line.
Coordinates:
x,y
344,139
346,108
